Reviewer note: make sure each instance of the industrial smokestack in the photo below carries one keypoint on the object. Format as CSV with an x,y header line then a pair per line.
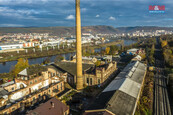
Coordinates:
x,y
79,82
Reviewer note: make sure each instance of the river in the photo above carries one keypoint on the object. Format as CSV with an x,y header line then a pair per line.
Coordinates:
x,y
7,66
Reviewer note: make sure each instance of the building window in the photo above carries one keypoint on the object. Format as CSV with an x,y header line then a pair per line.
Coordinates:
x,y
49,90
65,113
13,109
61,86
30,82
12,88
35,81
40,79
58,74
98,81
91,82
88,81
57,87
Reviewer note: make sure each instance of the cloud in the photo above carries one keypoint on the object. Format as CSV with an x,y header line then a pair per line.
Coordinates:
x,y
11,25
83,9
97,16
26,2
111,18
168,19
20,14
70,17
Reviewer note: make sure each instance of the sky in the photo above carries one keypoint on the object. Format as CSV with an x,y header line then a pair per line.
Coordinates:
x,y
116,13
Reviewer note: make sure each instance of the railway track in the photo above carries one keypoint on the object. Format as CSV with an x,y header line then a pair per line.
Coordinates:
x,y
161,105
161,100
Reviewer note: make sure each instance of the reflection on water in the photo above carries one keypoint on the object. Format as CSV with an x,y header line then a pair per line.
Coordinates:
x,y
6,67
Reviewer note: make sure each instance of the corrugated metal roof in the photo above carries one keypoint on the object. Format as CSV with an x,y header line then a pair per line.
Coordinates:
x,y
124,90
130,87
115,85
125,85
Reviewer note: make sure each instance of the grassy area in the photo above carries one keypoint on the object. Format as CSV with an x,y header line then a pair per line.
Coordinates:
x,y
68,96
145,102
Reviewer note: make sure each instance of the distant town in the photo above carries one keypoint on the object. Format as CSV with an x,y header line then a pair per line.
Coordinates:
x,y
21,40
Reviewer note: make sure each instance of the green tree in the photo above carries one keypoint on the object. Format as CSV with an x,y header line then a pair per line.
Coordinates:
x,y
98,63
113,49
47,60
21,65
58,58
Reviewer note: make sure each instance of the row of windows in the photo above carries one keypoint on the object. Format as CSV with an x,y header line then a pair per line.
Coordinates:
x,y
53,74
90,81
35,81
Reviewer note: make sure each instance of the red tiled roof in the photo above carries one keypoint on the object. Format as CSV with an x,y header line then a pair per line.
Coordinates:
x,y
46,108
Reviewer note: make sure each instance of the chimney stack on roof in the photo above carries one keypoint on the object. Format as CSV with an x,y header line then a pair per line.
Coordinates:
x,y
52,104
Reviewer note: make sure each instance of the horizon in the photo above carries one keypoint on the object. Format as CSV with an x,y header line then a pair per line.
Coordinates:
x,y
86,26
116,13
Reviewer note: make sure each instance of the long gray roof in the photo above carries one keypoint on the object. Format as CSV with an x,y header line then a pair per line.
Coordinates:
x,y
121,94
3,92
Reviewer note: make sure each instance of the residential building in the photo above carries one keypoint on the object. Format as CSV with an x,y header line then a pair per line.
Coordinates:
x,y
32,85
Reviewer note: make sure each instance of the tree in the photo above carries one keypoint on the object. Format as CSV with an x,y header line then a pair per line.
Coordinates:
x,y
47,60
107,50
21,65
164,43
113,49
98,63
58,58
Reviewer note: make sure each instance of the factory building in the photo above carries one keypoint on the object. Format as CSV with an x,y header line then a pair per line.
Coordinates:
x,y
120,97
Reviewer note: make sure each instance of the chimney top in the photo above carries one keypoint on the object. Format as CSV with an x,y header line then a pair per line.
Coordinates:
x,y
52,104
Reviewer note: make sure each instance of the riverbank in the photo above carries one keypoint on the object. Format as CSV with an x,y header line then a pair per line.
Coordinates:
x,y
13,56
50,51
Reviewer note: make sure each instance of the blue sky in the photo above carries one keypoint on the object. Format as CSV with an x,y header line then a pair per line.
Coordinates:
x,y
116,13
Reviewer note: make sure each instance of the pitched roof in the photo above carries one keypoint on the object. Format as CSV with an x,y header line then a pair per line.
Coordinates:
x,y
3,92
121,94
46,108
33,69
70,67
23,72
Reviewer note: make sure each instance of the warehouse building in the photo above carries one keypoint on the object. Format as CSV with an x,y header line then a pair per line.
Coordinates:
x,y
120,97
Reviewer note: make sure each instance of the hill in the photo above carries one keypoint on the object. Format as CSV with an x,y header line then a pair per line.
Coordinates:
x,y
61,31
58,30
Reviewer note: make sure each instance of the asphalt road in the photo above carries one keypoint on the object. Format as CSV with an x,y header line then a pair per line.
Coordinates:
x,y
161,99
